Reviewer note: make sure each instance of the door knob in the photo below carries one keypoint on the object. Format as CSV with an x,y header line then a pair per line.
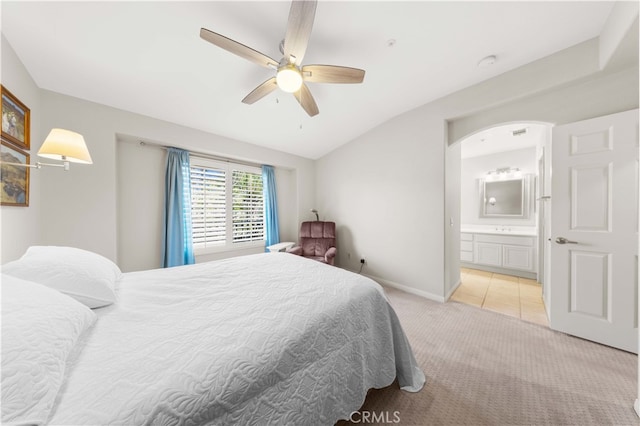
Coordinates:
x,y
563,240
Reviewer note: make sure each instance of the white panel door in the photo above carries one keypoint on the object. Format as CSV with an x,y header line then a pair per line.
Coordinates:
x,y
594,230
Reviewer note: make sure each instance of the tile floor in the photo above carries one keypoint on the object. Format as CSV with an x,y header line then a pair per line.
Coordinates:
x,y
506,294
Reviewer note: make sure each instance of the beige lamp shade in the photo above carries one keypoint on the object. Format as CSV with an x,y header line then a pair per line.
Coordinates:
x,y
65,145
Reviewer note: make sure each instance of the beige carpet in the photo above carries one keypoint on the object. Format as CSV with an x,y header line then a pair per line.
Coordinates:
x,y
484,368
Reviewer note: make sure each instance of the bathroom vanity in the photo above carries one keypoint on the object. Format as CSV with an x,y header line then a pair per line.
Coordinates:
x,y
505,250
504,195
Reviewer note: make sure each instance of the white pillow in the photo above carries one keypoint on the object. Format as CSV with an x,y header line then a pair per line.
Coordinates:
x,y
40,327
83,275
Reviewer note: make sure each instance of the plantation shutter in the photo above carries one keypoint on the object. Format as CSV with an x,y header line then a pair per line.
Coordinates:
x,y
248,207
208,206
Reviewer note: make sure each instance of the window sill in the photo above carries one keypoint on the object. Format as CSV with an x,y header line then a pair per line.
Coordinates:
x,y
230,248
245,250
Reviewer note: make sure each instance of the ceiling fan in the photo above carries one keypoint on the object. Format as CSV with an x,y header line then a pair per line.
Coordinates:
x,y
290,75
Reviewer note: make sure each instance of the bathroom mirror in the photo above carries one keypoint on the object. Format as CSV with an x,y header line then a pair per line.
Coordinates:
x,y
505,197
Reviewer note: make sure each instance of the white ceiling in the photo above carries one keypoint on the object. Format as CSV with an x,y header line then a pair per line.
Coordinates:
x,y
501,139
148,58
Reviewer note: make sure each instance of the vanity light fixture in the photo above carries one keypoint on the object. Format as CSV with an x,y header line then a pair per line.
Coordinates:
x,y
63,145
504,173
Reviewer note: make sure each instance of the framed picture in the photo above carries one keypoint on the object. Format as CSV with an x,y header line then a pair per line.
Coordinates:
x,y
15,120
14,180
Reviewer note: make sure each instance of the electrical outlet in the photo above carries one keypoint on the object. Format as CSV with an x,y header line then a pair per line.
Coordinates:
x,y
362,261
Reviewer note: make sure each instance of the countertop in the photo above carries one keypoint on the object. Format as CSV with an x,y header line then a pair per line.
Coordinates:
x,y
526,231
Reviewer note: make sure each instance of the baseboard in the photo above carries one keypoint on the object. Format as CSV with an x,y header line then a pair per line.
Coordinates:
x,y
453,289
514,272
407,289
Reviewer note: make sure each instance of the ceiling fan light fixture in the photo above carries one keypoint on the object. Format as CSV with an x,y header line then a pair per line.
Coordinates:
x,y
289,78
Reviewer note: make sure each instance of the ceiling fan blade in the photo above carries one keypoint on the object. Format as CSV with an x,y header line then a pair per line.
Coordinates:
x,y
306,100
331,74
299,26
261,91
238,48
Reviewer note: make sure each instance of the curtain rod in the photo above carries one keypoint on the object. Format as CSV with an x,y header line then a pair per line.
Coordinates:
x,y
202,154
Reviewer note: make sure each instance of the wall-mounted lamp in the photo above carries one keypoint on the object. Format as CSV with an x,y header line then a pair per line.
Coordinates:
x,y
316,213
63,145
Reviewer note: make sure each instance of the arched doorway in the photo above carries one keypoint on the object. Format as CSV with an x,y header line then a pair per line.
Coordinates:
x,y
502,234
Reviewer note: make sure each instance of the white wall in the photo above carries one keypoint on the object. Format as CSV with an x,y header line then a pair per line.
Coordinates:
x,y
623,16
453,216
384,191
140,189
140,197
475,168
20,227
95,208
601,94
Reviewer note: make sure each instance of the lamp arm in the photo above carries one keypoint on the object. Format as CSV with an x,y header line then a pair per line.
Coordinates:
x,y
39,165
64,165
19,164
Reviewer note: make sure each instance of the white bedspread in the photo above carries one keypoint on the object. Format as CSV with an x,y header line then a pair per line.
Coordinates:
x,y
263,339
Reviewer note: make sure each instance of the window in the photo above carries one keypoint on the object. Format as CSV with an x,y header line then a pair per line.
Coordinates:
x,y
248,207
227,207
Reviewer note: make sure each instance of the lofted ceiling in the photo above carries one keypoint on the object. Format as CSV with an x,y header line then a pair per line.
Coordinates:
x,y
147,57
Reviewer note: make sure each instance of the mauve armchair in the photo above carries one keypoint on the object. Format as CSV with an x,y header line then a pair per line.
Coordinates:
x,y
317,241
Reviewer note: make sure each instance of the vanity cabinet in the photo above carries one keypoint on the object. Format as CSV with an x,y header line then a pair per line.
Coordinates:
x,y
518,257
466,247
506,254
488,254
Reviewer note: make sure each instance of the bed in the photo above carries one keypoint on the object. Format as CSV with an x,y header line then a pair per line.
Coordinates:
x,y
262,339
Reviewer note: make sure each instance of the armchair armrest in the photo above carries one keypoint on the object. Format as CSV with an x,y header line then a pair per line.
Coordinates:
x,y
295,250
330,255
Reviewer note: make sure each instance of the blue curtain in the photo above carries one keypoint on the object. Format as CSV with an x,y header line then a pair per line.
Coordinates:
x,y
177,241
270,206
